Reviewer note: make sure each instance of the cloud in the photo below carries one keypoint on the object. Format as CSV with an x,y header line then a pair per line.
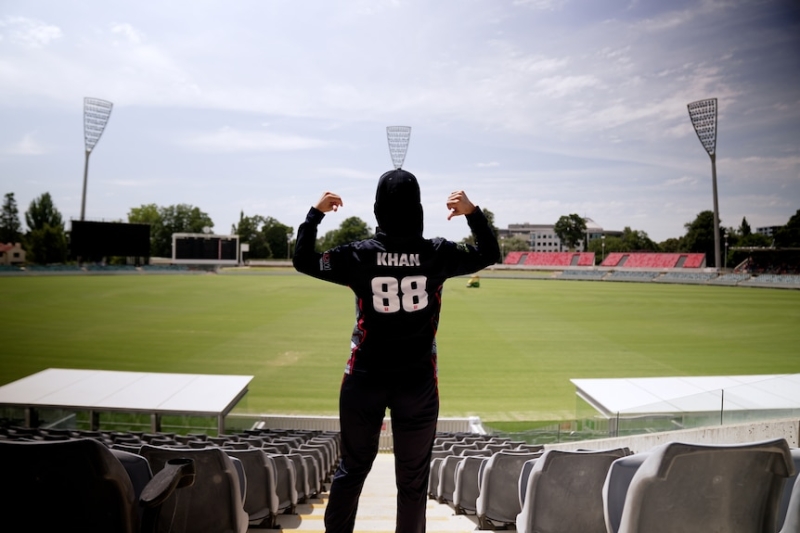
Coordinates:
x,y
132,35
230,140
490,164
28,145
28,32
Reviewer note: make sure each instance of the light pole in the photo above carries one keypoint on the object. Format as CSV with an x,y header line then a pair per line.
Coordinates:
x,y
398,137
726,251
95,118
603,243
703,114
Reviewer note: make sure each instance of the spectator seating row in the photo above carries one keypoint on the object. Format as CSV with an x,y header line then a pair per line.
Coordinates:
x,y
653,260
237,481
672,487
550,258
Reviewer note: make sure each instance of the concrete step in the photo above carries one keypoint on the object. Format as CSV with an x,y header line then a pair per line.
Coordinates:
x,y
376,508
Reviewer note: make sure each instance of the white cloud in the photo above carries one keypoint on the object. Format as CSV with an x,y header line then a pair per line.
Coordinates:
x,y
229,140
132,35
28,32
28,145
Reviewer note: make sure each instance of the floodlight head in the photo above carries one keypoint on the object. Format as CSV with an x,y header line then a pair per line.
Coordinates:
x,y
704,119
398,137
95,118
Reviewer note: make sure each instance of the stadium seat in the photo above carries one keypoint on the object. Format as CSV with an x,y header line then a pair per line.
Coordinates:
x,y
79,485
791,523
213,503
498,500
615,488
790,502
261,500
285,483
564,491
700,488
467,484
433,476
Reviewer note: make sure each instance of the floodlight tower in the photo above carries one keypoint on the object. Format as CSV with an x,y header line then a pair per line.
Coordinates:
x,y
398,137
703,114
95,118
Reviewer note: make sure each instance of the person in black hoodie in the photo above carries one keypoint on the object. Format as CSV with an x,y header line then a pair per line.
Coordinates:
x,y
397,278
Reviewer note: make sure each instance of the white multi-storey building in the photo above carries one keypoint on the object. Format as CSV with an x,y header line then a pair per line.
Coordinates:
x,y
543,238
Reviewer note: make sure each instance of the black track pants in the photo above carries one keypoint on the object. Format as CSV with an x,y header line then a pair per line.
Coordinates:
x,y
414,406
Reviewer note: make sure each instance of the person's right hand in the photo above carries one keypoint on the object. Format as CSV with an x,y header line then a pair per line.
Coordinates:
x,y
329,202
459,204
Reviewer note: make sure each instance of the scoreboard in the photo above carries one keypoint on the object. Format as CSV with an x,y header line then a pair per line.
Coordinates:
x,y
205,249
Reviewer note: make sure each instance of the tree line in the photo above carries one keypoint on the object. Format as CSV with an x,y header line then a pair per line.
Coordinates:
x,y
46,240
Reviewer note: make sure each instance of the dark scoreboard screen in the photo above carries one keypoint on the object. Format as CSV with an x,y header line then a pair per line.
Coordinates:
x,y
205,248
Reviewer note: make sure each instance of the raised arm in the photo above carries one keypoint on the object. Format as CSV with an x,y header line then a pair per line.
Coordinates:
x,y
487,250
306,259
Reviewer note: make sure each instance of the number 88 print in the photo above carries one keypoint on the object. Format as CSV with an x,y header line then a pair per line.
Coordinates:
x,y
389,294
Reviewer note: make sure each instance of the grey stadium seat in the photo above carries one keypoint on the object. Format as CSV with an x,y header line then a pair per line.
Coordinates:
x,y
498,500
791,523
213,503
447,473
261,500
696,488
565,492
79,485
615,488
286,482
467,479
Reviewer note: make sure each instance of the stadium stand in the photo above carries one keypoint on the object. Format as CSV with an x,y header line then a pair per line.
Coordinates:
x,y
653,260
583,275
563,491
631,275
550,258
687,277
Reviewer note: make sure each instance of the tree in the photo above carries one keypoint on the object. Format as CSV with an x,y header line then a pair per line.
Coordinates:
x,y
672,245
164,221
46,240
699,236
490,219
268,238
277,236
788,236
248,231
636,241
10,226
352,229
571,230
43,212
47,245
515,243
744,228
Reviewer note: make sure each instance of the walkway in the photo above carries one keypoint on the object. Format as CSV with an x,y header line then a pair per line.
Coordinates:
x,y
376,509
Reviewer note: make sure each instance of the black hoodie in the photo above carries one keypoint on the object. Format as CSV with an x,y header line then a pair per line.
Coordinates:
x,y
397,277
398,208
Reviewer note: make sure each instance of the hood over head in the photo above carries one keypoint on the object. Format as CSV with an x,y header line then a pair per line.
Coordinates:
x,y
398,208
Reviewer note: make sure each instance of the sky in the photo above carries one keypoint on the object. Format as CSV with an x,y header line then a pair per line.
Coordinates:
x,y
535,108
